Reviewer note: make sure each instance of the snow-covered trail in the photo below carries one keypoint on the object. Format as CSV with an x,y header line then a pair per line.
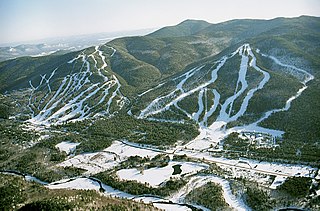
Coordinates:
x,y
198,181
247,59
213,108
163,103
72,100
277,133
224,110
307,76
228,104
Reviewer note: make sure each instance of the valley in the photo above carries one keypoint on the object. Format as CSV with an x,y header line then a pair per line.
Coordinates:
x,y
136,120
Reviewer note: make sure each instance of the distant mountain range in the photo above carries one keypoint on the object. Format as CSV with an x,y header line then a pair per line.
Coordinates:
x,y
61,45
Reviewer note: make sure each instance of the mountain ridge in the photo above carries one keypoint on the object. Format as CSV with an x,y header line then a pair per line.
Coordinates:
x,y
139,67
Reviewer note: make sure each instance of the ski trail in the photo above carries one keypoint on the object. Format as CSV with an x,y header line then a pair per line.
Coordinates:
x,y
196,115
153,107
163,103
149,90
228,104
285,108
213,108
254,126
103,58
248,59
308,76
71,100
266,77
114,51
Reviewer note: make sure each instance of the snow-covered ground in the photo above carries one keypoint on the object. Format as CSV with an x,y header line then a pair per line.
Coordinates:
x,y
253,165
80,183
279,180
124,150
106,159
66,146
89,184
171,207
92,162
199,181
156,176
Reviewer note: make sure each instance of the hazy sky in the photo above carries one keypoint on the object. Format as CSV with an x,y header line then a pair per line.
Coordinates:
x,y
22,20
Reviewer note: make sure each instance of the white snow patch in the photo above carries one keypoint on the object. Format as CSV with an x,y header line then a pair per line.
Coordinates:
x,y
279,180
92,162
124,151
171,207
66,146
156,176
79,183
108,158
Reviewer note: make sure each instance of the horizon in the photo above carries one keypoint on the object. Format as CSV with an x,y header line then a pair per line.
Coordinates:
x,y
25,22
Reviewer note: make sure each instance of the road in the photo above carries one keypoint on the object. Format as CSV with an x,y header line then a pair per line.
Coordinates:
x,y
203,160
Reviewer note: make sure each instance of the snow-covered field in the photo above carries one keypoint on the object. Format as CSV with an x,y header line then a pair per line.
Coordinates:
x,y
156,176
67,147
80,183
106,159
124,150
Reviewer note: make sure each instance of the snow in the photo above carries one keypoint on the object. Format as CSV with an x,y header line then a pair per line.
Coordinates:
x,y
33,179
107,159
267,168
279,180
212,109
149,90
308,76
171,207
199,181
156,176
66,146
124,150
92,162
88,184
70,102
79,184
228,196
228,104
196,115
211,135
65,106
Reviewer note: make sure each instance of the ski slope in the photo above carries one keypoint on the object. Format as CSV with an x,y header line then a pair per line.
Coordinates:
x,y
222,108
79,94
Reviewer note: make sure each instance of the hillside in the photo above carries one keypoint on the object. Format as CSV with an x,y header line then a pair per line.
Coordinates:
x,y
163,117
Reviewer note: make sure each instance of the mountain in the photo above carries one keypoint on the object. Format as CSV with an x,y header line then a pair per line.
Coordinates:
x,y
185,28
226,99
